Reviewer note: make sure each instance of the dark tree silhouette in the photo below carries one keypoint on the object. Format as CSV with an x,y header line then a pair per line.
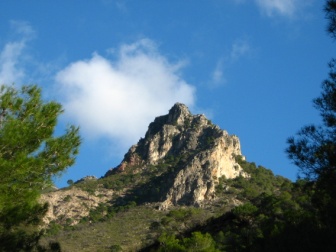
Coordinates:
x,y
313,150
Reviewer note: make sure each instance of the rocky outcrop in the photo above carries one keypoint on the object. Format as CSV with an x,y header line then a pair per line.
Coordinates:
x,y
205,153
69,206
86,178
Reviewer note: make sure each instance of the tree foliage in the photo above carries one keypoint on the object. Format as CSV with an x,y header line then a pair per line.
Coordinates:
x,y
330,10
313,150
30,155
198,242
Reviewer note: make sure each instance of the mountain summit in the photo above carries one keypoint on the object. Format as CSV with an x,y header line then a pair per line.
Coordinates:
x,y
191,152
178,162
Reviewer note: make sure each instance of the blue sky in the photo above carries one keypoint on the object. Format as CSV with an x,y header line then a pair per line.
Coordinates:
x,y
251,66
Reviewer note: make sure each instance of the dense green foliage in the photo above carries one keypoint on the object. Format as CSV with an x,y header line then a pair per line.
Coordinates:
x,y
274,214
260,180
281,221
198,242
29,157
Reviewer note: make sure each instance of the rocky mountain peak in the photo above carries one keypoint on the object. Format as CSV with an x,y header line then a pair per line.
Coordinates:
x,y
201,151
178,114
178,162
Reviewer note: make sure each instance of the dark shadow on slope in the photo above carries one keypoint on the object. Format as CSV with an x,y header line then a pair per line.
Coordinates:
x,y
156,182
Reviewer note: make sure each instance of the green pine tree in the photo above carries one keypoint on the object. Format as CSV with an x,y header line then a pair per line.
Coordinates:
x,y
30,155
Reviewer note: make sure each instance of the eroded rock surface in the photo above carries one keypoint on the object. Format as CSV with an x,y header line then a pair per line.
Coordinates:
x,y
205,153
72,204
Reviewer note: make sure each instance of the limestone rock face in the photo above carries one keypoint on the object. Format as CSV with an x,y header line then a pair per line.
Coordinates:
x,y
205,153
72,204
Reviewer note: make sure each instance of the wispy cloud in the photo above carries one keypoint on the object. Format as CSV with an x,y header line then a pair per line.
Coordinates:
x,y
239,48
217,75
117,99
280,7
11,55
283,8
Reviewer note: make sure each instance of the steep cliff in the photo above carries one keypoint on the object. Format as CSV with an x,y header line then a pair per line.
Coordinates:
x,y
199,151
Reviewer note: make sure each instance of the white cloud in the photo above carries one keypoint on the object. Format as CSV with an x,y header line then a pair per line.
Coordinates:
x,y
239,49
10,72
282,7
11,56
118,99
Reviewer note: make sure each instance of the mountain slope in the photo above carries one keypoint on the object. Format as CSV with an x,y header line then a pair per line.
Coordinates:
x,y
185,171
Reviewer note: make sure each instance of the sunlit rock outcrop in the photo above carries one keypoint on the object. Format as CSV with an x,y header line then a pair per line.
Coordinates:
x,y
204,153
